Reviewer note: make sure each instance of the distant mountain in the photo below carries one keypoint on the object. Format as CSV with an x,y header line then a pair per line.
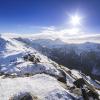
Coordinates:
x,y
82,56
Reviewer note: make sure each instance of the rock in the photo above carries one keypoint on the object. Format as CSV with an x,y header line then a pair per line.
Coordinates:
x,y
24,96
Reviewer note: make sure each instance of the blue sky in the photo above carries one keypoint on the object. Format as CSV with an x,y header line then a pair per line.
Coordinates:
x,y
30,16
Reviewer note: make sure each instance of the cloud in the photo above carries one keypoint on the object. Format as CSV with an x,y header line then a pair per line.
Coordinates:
x,y
73,35
69,35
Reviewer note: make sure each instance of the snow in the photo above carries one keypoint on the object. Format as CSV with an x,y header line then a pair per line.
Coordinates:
x,y
59,95
11,60
20,68
43,86
42,81
76,73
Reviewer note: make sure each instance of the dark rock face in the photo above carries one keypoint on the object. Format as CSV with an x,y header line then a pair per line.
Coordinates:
x,y
32,58
27,97
79,83
62,79
24,96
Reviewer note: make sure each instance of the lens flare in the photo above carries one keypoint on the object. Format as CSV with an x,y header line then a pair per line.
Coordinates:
x,y
75,20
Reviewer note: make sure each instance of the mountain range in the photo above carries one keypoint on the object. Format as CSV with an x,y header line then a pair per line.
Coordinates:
x,y
43,67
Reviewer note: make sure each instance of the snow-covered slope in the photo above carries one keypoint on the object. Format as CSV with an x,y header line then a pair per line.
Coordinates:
x,y
42,86
24,71
13,64
11,60
75,56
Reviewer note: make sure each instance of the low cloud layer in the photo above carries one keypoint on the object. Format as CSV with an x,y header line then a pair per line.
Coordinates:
x,y
73,35
69,35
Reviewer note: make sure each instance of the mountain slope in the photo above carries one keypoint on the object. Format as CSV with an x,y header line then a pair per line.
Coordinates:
x,y
84,56
26,73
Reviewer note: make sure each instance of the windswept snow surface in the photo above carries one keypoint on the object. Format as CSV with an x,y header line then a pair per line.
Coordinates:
x,y
43,86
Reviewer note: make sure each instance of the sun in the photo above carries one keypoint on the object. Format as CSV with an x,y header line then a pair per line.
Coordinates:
x,y
75,20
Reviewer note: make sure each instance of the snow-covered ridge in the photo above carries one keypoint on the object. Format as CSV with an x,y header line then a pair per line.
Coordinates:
x,y
24,69
48,44
14,46
12,61
13,64
44,87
